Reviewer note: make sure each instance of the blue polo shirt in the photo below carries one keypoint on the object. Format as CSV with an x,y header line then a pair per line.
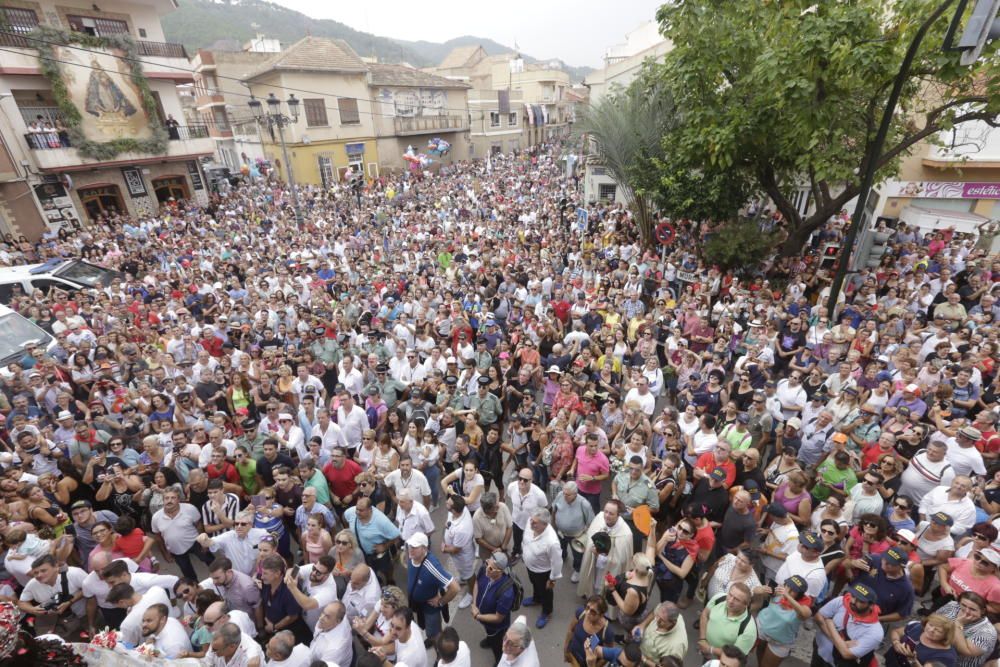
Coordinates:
x,y
894,595
426,580
491,601
379,529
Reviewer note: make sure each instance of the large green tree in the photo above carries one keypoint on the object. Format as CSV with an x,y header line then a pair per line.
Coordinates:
x,y
626,129
789,93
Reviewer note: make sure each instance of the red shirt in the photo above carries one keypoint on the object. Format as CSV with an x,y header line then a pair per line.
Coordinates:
x,y
342,479
708,463
227,472
705,537
131,544
872,453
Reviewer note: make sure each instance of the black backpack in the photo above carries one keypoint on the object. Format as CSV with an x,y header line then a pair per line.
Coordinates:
x,y
515,583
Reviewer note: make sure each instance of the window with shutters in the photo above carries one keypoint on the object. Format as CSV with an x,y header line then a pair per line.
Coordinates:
x,y
97,26
607,191
315,113
348,111
325,171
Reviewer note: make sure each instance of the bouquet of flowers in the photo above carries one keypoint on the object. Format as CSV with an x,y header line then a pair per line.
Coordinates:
x,y
106,638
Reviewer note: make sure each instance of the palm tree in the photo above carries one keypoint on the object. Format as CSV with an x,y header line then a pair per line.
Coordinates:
x,y
626,130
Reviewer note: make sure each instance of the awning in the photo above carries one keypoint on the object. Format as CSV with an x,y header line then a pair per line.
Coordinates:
x,y
931,219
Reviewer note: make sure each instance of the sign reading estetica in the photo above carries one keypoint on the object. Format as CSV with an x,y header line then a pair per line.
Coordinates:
x,y
943,190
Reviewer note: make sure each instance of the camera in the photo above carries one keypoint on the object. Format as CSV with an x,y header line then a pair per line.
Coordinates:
x,y
55,601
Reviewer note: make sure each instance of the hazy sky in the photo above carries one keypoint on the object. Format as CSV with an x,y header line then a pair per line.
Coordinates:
x,y
577,31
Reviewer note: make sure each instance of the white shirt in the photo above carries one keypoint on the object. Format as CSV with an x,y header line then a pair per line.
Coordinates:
x,y
353,424
462,659
647,402
131,627
324,594
335,644
542,552
172,640
354,382
361,602
205,457
965,460
247,651
417,520
180,532
95,587
521,506
332,437
412,653
242,552
459,532
963,511
301,657
40,594
814,573
416,483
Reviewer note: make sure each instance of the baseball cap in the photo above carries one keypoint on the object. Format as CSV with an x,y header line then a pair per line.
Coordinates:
x,y
990,554
499,559
80,504
794,422
905,535
418,540
810,540
719,474
911,388
777,509
750,486
942,519
839,437
796,584
895,556
863,593
743,418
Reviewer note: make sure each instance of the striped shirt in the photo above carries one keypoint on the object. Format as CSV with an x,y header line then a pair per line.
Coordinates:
x,y
230,507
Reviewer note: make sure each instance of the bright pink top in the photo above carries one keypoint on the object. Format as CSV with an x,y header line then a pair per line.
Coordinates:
x,y
597,464
962,579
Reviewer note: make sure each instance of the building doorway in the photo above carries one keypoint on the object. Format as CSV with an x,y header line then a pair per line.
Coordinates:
x,y
170,186
103,200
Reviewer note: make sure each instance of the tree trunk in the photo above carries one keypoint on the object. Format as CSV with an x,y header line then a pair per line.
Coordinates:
x,y
797,237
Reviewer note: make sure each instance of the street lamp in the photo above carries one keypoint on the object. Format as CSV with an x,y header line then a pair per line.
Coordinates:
x,y
273,118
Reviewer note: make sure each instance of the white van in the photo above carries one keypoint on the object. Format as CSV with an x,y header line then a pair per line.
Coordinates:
x,y
66,274
16,333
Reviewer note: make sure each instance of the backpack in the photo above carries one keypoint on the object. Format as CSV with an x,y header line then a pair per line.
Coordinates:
x,y
515,583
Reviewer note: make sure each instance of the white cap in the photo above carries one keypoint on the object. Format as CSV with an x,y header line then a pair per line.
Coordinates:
x,y
283,416
417,540
64,414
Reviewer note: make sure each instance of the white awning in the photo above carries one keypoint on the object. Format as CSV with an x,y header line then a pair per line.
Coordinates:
x,y
932,219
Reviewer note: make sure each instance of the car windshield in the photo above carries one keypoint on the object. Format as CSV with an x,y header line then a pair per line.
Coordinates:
x,y
15,333
87,274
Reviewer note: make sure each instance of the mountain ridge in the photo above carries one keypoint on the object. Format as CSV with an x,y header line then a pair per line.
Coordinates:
x,y
199,24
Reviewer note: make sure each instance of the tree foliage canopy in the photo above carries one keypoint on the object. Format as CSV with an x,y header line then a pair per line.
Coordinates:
x,y
786,93
626,128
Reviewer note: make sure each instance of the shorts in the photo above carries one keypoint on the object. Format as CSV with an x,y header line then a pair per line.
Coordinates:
x,y
779,650
464,564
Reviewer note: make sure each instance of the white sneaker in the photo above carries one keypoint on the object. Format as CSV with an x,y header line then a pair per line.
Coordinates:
x,y
575,577
466,601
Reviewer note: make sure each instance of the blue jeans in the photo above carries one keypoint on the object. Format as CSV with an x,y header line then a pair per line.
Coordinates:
x,y
432,620
433,475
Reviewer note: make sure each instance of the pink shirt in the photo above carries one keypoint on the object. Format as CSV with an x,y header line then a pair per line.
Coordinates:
x,y
597,464
961,579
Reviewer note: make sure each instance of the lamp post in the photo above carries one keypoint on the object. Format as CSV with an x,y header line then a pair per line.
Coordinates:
x,y
274,118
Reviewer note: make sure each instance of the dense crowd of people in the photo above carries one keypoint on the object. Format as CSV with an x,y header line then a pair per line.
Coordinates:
x,y
295,442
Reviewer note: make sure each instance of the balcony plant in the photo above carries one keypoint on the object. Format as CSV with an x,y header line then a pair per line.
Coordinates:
x,y
44,39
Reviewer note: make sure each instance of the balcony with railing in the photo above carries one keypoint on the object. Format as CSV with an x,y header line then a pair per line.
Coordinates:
x,y
161,49
405,126
187,132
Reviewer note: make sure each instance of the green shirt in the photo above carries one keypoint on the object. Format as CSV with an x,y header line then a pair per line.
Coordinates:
x,y
637,492
656,643
248,475
833,476
318,482
741,631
